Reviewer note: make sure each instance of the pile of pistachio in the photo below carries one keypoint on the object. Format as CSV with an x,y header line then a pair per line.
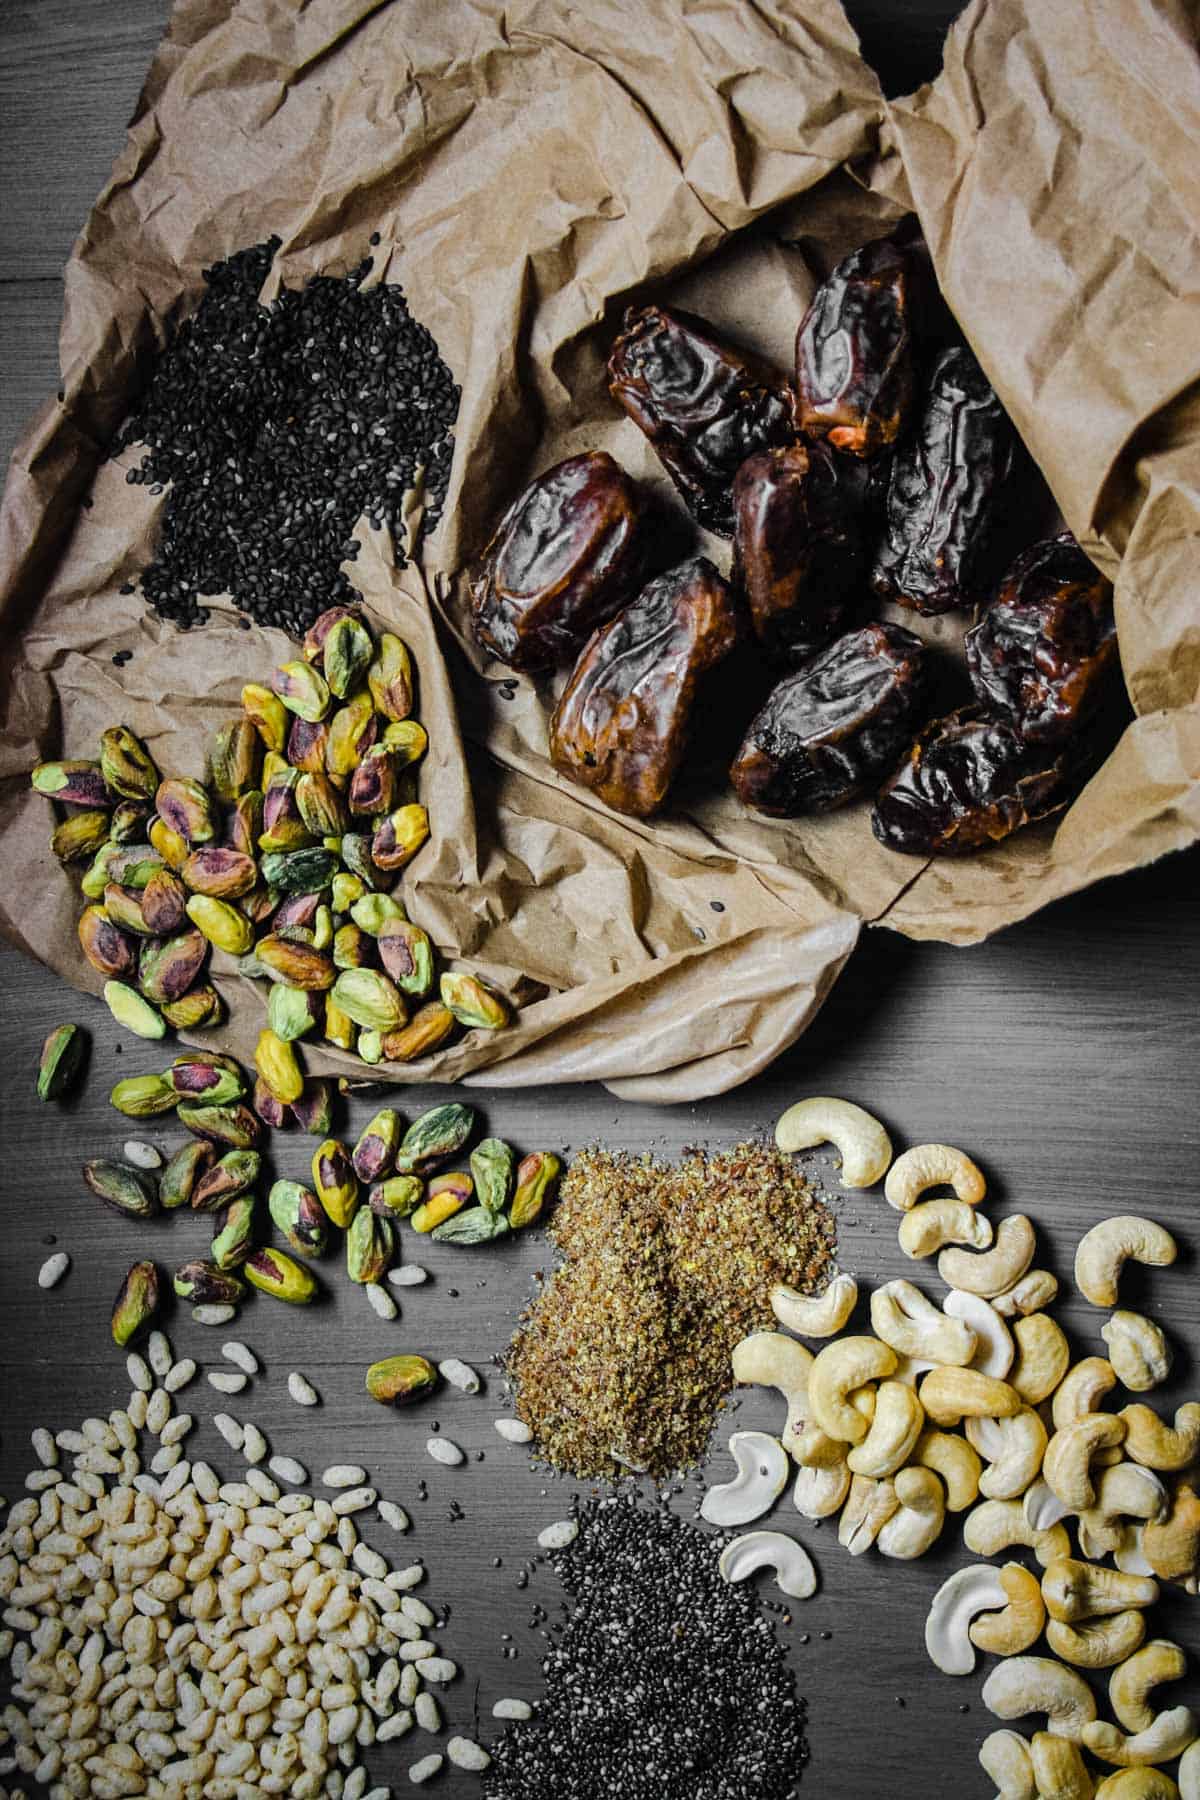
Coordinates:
x,y
283,859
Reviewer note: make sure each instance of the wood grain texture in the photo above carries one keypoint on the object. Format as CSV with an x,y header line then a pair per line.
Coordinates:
x,y
1063,1053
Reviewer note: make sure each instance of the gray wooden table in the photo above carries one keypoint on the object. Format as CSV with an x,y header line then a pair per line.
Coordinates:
x,y
1063,1054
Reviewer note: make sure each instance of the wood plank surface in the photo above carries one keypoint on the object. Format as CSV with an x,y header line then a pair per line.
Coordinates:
x,y
1063,1054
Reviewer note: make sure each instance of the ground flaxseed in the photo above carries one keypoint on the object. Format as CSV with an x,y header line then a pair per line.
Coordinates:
x,y
623,1359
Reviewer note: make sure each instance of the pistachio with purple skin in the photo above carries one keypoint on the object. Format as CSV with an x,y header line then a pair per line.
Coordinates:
x,y
129,822
185,807
126,1190
297,965
406,952
313,648
199,1006
356,854
370,1245
373,783
313,1111
308,746
352,731
163,900
214,1078
302,689
335,1181
168,969
234,1241
273,1272
126,764
266,713
346,652
397,1380
138,1299
234,760
230,1176
298,1215
282,826
375,1151
398,837
123,906
390,678
104,944
273,1113
351,947
297,909
232,1125
223,873
74,783
243,825
79,838
293,1012
178,1181
203,1284
472,1004
321,807
397,1197
426,1030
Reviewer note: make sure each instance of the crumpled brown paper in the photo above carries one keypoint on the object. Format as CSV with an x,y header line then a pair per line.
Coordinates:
x,y
530,167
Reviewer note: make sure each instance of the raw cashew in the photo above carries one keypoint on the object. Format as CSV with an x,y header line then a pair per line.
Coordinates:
x,y
1164,1740
1138,1784
1106,1248
917,1522
794,1572
1158,1661
1069,1454
975,1589
1097,1643
867,1510
1172,1545
819,1492
1019,1625
1126,1491
1023,1440
1148,1440
1042,1506
762,1473
769,1359
865,1147
1075,1590
815,1449
819,1317
1082,1389
1129,1555
899,1417
994,1348
949,1395
1043,1357
904,1318
1137,1350
1005,1757
998,1268
936,1222
997,1525
1025,1684
1035,1290
985,1435
1059,1769
951,1457
837,1370
1189,1774
932,1165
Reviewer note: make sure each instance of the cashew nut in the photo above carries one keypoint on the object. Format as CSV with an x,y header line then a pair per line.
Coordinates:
x,y
932,1165
1065,1465
1036,1289
994,1348
819,1491
1164,1740
762,1473
1105,1249
1158,1661
985,1436
815,1449
819,1317
1148,1440
864,1146
769,1359
1189,1774
996,1269
1005,1757
904,1318
1023,1444
1042,1506
1126,1491
936,1222
949,1395
1043,1356
997,1525
794,1572
899,1417
869,1507
1025,1684
842,1366
955,1461
1172,1545
1059,1769
1082,1389
1129,1555
974,1589
1075,1590
1138,1784
1019,1625
1137,1350
918,1520
1097,1643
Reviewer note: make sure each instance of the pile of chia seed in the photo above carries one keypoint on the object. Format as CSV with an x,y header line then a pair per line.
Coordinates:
x,y
664,1683
274,429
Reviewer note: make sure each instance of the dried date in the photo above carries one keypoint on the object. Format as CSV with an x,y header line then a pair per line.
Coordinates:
x,y
703,405
854,350
828,732
621,725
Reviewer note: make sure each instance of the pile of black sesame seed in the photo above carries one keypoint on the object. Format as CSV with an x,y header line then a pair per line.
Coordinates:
x,y
274,429
664,1683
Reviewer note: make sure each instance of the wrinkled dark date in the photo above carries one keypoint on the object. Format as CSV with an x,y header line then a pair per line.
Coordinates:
x,y
828,732
621,726
943,492
797,551
854,351
966,783
1043,653
564,558
704,406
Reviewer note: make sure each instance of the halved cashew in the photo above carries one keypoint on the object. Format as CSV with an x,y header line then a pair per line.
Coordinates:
x,y
1189,1773
1139,1784
864,1146
907,1320
769,1359
932,1165
1164,1740
975,1589
918,1520
1034,1684
762,1473
1066,1464
1097,1643
955,1461
997,1525
1035,1290
933,1223
899,1417
1023,1445
794,1572
819,1316
867,1510
1124,1492
996,1269
1019,1625
1059,1769
1129,1555
1137,1350
819,1492
1082,1389
1005,1757
994,1348
1043,1357
1104,1250
1148,1440
1075,1590
1158,1661
949,1395
842,1366
1172,1545
1042,1506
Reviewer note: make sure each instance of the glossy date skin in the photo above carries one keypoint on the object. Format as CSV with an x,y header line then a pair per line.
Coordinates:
x,y
854,351
621,726
1044,653
797,550
965,784
945,485
827,733
704,406
564,558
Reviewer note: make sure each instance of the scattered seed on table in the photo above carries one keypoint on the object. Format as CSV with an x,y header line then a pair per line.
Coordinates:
x,y
403,1579
165,1459
382,1301
260,1483
39,1479
460,1375
437,1668
443,1451
158,1353
512,1709
44,1447
254,1444
229,1428
138,1371
428,1712
397,1726
302,1390
212,1314
394,1515
558,1535
408,1275
142,1156
179,1375
158,1410
227,1381
288,1469
464,1753
176,1429
354,1500
53,1269
417,1611
426,1769
241,1356
136,1407
343,1475
514,1431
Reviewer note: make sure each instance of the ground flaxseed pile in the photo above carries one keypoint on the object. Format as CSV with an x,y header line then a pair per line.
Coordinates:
x,y
623,1360
664,1683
